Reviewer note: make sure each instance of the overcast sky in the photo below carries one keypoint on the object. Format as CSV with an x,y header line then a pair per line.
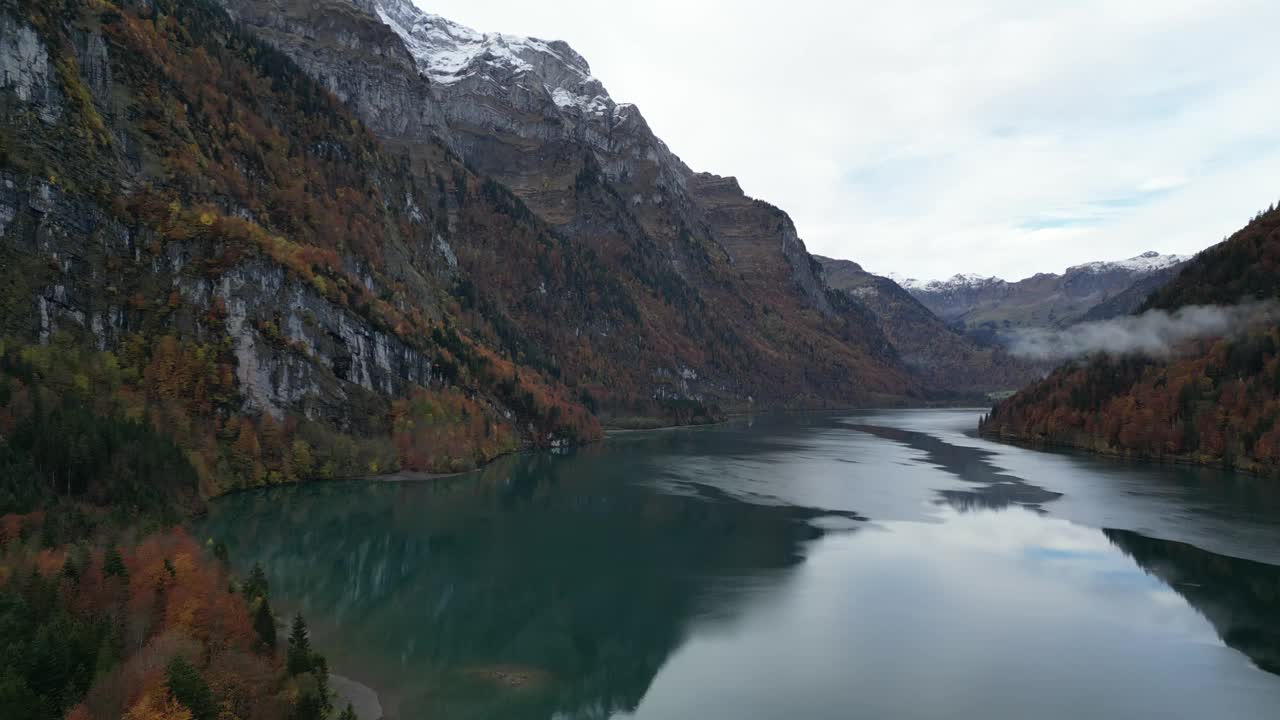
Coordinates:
x,y
931,138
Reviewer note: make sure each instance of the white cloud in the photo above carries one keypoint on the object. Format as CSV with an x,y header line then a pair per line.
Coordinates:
x,y
929,138
1164,182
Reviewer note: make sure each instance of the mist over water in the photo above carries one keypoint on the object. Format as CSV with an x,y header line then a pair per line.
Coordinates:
x,y
1155,333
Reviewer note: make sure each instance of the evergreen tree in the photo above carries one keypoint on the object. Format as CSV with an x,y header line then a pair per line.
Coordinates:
x,y
348,714
264,624
256,586
113,565
320,669
309,707
300,659
189,689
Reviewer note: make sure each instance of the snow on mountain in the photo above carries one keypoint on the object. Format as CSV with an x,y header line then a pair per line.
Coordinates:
x,y
450,53
1147,262
959,281
988,306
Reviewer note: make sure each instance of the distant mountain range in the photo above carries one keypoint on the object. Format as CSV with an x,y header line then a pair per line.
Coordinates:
x,y
984,307
1214,401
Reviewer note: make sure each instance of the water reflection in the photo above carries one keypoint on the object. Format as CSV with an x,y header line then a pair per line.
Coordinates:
x,y
728,573
531,588
1241,598
995,488
989,614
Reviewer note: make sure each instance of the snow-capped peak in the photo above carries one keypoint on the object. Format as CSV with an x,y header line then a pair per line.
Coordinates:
x,y
449,53
903,281
1147,262
956,282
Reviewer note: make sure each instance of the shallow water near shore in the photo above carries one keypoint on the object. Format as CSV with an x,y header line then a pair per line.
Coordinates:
x,y
883,564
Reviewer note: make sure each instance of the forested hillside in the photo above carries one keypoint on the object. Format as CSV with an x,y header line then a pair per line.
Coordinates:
x,y
222,252
1215,402
100,623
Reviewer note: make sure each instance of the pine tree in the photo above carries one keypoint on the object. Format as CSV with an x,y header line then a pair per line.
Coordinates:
x,y
264,623
299,660
113,565
256,586
320,669
309,707
190,689
348,714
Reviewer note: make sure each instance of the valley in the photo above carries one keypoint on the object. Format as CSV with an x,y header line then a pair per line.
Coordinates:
x,y
320,321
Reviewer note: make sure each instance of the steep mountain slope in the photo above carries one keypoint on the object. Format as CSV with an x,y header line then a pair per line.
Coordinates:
x,y
723,302
200,235
986,306
937,352
1217,402
206,241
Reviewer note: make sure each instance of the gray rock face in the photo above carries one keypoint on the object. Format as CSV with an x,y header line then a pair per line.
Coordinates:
x,y
754,234
529,114
533,89
355,57
60,237
315,359
525,110
326,348
25,69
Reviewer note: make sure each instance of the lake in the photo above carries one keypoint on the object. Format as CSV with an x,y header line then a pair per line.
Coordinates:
x,y
881,564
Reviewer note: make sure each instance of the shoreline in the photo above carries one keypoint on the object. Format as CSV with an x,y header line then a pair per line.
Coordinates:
x,y
403,476
1185,461
362,698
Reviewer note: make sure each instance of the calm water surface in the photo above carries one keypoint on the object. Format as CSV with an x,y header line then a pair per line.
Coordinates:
x,y
882,565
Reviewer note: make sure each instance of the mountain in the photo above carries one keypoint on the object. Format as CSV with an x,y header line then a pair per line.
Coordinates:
x,y
321,239
1214,402
1131,299
942,356
198,237
725,305
986,306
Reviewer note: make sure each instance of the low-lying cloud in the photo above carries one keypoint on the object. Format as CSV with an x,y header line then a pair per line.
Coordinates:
x,y
1155,333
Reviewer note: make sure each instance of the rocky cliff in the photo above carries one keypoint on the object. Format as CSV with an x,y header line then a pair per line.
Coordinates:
x,y
215,245
358,59
725,305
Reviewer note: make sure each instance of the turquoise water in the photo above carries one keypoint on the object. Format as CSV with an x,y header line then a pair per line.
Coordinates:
x,y
879,565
